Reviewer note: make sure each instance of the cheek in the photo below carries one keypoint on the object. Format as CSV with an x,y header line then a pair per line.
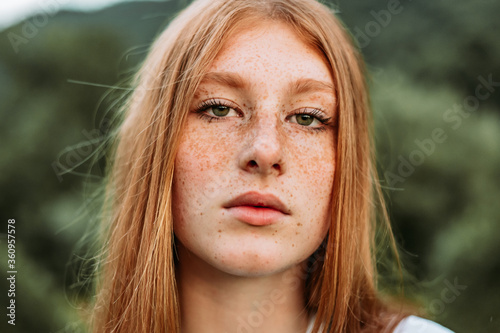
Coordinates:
x,y
200,170
313,175
313,159
203,147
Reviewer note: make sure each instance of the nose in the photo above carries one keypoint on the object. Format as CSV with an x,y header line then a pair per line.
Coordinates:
x,y
263,149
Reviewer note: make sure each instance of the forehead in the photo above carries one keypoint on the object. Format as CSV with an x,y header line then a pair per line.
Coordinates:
x,y
271,48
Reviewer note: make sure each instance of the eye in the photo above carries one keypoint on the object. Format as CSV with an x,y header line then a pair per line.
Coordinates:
x,y
313,118
214,109
219,110
304,119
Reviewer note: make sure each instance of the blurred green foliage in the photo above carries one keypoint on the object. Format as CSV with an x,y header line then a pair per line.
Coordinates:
x,y
426,60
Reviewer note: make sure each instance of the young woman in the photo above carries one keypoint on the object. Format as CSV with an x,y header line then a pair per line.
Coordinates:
x,y
242,194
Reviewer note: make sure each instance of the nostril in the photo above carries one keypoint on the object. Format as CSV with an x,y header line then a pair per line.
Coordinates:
x,y
254,166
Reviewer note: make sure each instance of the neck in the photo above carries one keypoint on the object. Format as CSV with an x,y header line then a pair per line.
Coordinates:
x,y
214,301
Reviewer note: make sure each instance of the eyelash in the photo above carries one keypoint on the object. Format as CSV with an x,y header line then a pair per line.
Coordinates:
x,y
316,113
211,103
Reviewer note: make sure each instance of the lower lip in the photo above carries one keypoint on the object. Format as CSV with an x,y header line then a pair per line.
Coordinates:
x,y
258,216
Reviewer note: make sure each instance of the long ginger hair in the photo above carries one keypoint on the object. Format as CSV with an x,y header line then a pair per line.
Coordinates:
x,y
136,287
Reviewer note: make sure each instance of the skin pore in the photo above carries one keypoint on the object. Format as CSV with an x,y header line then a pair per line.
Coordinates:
x,y
262,120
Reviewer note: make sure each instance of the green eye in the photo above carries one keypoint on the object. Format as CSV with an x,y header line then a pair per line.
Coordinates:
x,y
304,119
313,119
215,109
220,110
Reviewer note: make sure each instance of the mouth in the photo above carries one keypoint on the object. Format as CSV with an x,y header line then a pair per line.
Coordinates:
x,y
257,209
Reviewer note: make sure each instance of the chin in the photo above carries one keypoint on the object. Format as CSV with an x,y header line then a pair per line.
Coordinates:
x,y
254,262
250,269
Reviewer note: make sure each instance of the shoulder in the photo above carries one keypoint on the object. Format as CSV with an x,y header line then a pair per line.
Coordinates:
x,y
413,324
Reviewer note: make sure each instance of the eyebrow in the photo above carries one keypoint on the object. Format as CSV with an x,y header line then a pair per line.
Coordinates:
x,y
229,79
300,86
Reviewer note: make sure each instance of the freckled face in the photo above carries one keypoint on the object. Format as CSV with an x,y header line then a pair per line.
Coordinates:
x,y
262,120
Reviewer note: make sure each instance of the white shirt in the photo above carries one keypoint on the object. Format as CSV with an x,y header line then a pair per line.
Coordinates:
x,y
411,324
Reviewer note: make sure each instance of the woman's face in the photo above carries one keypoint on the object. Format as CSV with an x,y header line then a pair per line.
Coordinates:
x,y
254,172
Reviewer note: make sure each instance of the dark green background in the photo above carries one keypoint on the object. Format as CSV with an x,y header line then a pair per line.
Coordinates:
x,y
425,62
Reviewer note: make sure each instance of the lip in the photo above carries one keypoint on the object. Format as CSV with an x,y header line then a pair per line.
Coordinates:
x,y
258,209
